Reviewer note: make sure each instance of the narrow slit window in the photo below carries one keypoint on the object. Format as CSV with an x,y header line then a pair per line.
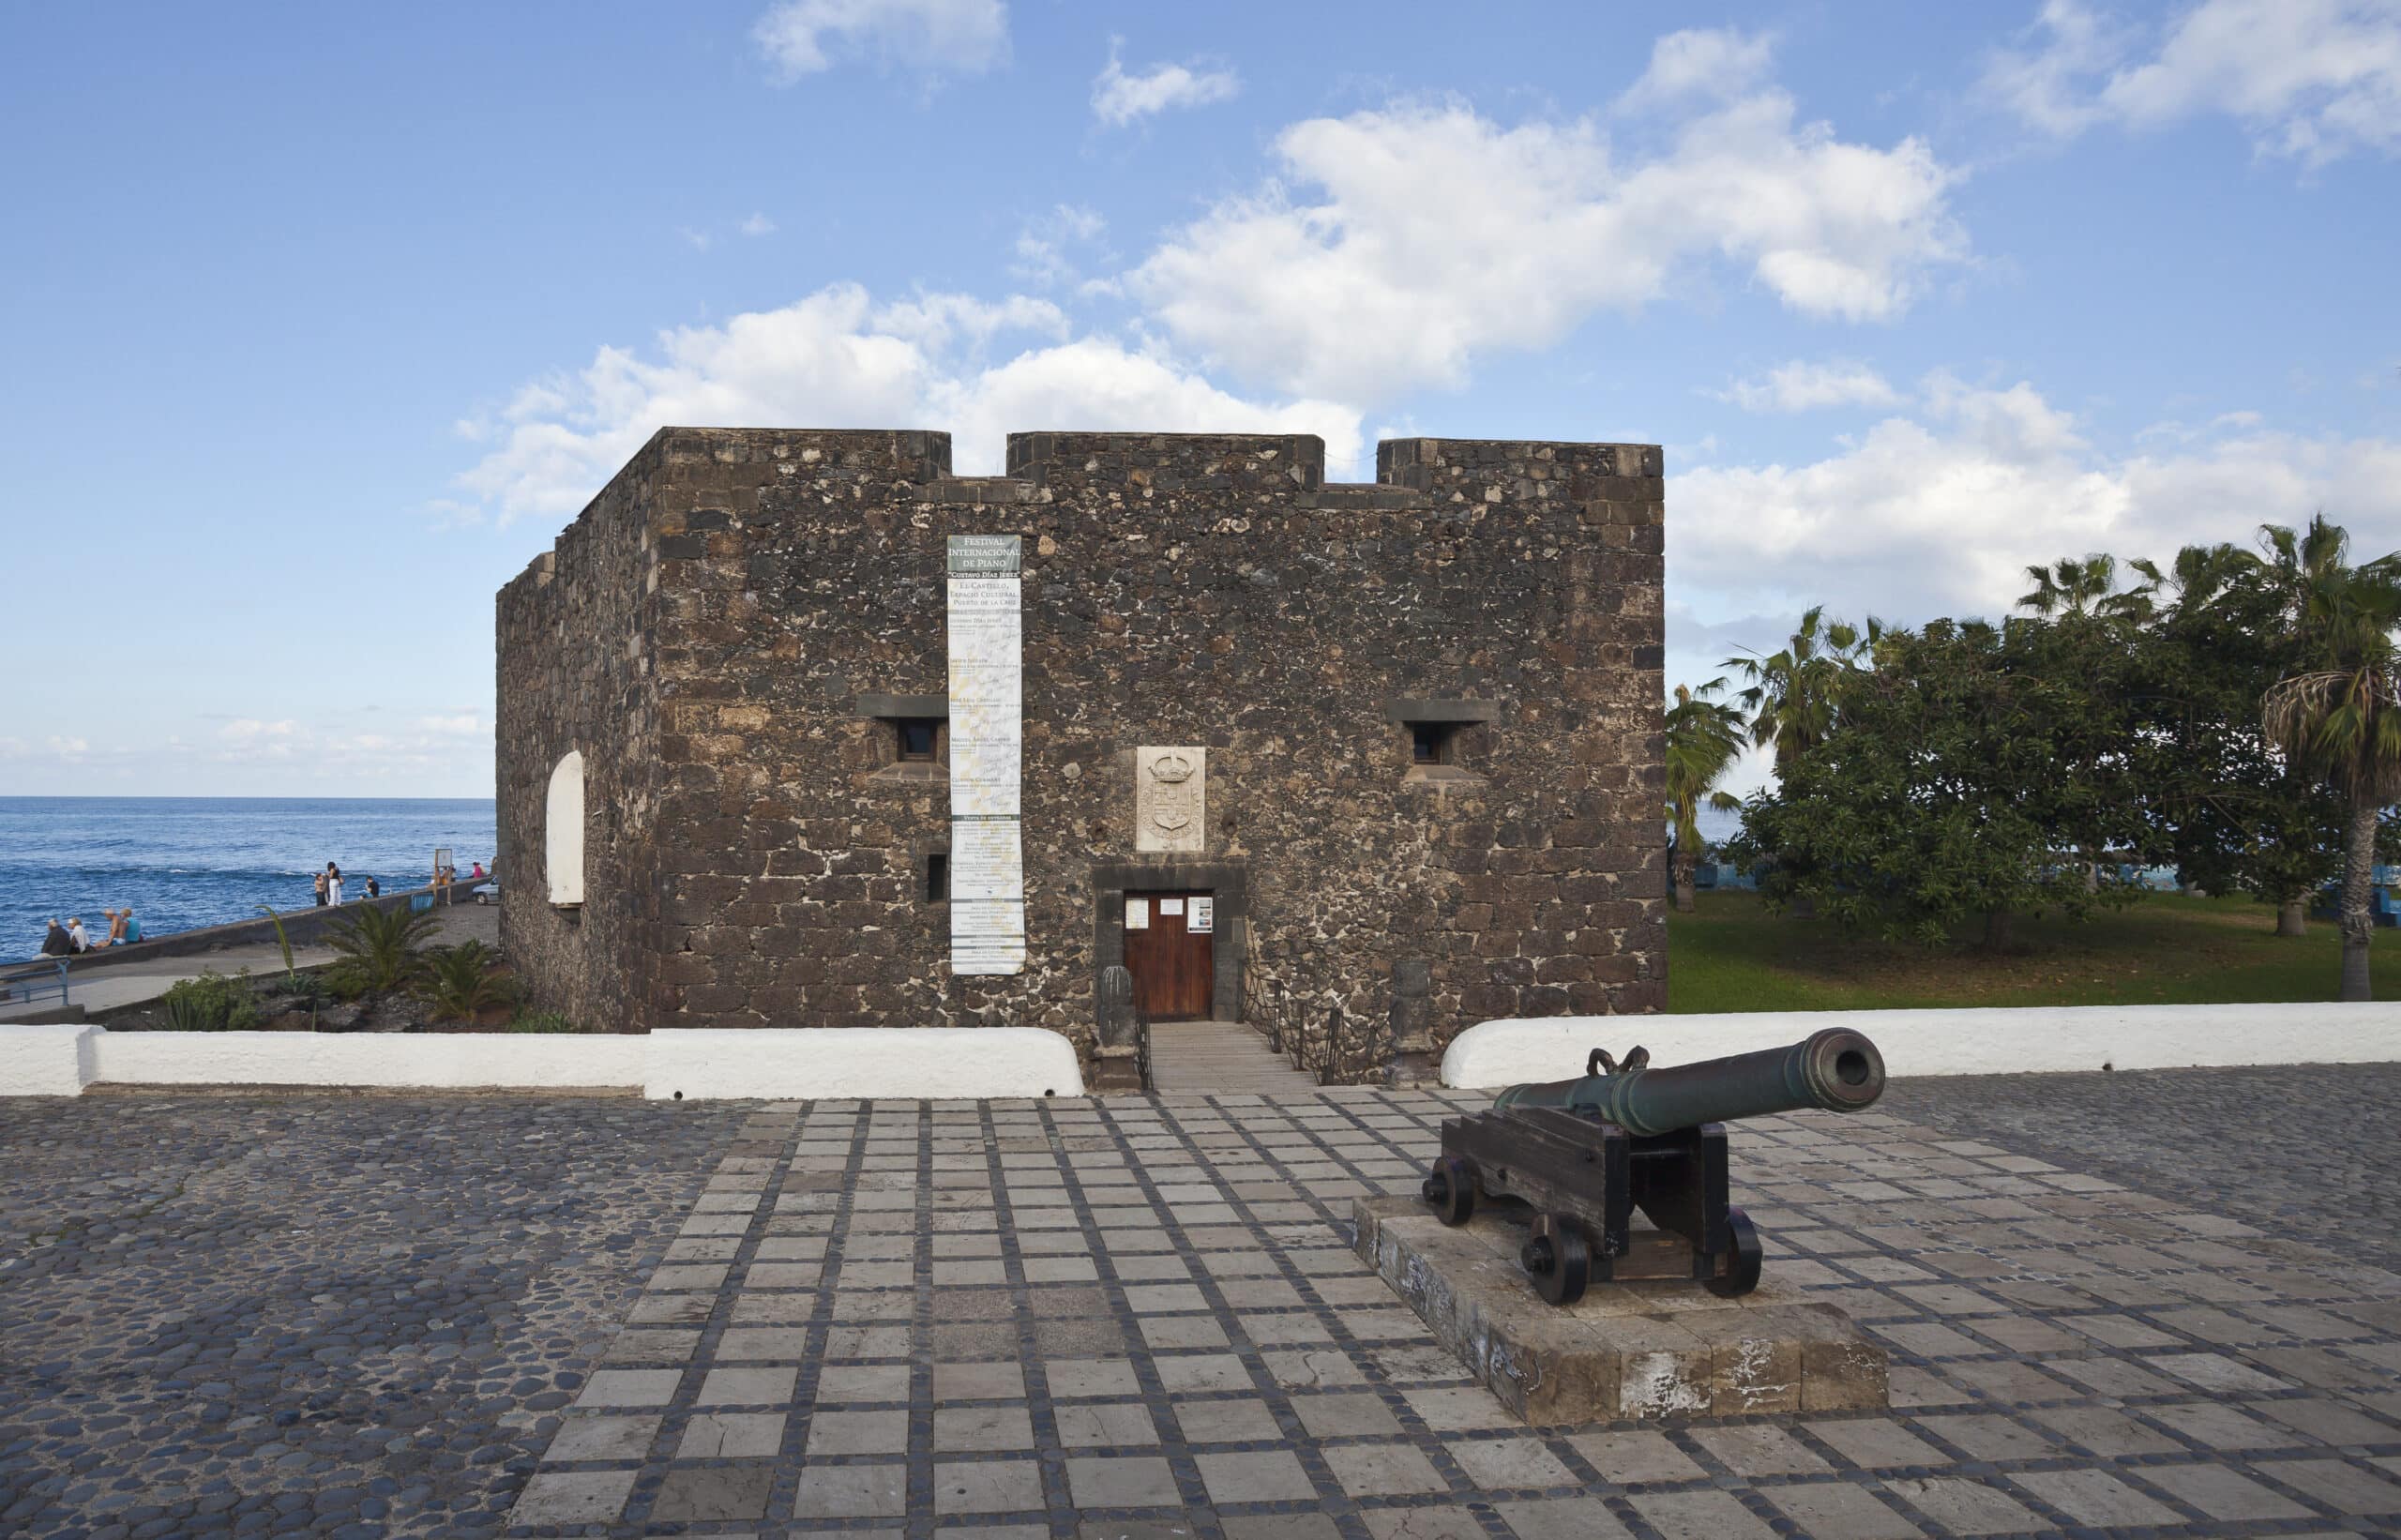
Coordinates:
x,y
919,737
938,878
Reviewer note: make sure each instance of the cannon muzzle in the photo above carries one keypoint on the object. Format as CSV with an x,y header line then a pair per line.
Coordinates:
x,y
1837,1070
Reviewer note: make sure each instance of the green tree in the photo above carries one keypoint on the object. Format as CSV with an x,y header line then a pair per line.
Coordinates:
x,y
2338,710
1704,738
2231,810
1966,762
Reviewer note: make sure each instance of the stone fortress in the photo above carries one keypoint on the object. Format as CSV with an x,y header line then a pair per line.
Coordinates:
x,y
1277,734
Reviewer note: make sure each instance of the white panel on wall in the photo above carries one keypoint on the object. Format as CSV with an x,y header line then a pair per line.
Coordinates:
x,y
563,831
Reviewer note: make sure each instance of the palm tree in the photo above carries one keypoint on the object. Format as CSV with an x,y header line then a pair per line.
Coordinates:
x,y
2087,587
2338,708
1704,738
1795,694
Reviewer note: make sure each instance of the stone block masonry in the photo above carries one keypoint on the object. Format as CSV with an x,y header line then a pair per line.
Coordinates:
x,y
1429,709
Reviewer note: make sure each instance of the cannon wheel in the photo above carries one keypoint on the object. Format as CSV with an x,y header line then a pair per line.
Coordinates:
x,y
1450,1187
1558,1258
1742,1273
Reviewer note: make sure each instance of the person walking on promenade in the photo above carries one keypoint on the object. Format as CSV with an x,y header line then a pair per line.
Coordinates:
x,y
321,890
333,883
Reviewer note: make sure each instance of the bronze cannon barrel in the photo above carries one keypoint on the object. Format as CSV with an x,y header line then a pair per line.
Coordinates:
x,y
1836,1069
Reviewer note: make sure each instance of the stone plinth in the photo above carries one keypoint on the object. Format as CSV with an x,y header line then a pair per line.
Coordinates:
x,y
1623,1350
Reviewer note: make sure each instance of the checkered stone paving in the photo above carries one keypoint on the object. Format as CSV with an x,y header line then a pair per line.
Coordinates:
x,y
1138,1317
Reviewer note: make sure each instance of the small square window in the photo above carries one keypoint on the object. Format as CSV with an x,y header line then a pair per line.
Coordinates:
x,y
1429,743
938,878
919,737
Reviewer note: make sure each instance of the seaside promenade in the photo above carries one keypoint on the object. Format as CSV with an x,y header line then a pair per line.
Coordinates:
x,y
2143,1303
99,984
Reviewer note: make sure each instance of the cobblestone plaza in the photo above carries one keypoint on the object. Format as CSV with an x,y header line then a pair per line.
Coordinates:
x,y
2152,1304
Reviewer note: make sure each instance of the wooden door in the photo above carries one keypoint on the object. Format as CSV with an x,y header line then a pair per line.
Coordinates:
x,y
1168,941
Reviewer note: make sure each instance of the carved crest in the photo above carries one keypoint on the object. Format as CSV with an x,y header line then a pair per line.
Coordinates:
x,y
1170,799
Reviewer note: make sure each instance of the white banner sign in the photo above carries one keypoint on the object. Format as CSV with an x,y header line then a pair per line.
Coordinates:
x,y
986,746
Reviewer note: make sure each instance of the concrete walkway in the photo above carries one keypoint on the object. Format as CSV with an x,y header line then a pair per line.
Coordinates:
x,y
1220,1056
103,986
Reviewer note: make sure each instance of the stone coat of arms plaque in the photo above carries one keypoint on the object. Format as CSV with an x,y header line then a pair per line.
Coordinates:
x,y
1170,799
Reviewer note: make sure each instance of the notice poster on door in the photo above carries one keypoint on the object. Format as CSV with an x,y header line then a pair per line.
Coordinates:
x,y
987,738
1137,913
1170,906
1203,917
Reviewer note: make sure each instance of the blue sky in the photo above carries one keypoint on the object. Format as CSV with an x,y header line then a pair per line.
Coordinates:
x,y
322,322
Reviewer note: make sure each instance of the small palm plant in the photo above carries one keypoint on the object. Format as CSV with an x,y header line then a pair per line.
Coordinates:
x,y
458,982
381,949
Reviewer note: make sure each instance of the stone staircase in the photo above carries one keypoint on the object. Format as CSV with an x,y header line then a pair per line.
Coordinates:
x,y
1211,1056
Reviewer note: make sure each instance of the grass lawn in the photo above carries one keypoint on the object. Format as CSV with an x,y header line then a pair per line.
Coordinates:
x,y
1732,954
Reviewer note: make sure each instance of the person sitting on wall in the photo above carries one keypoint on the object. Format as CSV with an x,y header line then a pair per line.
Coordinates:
x,y
477,874
374,889
116,930
55,944
78,939
132,927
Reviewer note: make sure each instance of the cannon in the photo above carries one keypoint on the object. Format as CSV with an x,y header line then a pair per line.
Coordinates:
x,y
1578,1156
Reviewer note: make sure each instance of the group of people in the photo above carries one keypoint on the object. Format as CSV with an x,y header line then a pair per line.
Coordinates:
x,y
69,939
329,886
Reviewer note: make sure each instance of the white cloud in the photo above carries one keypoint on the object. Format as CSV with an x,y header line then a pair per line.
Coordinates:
x,y
1119,98
1720,63
252,729
1043,247
837,360
1939,511
1434,233
1799,386
758,224
2315,80
699,240
930,37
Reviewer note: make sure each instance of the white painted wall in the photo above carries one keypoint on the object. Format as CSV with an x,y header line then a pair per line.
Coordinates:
x,y
1996,1041
437,1061
46,1060
933,1062
563,830
891,1062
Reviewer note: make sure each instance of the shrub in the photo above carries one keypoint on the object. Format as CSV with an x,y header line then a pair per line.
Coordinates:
x,y
211,1002
459,981
384,948
342,982
542,1021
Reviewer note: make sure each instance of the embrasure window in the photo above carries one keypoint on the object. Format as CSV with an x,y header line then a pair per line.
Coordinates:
x,y
919,737
1429,743
938,878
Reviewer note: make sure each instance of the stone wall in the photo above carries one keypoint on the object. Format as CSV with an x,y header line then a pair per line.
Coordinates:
x,y
577,671
768,850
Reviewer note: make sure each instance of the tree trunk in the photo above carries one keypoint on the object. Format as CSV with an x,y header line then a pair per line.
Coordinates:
x,y
2292,917
1996,930
1682,864
1683,893
2359,875
2092,870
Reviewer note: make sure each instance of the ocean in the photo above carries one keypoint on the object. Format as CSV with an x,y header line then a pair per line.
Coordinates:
x,y
185,862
